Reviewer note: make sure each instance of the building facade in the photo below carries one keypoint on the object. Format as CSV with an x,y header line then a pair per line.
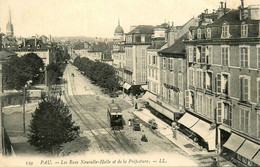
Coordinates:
x,y
135,72
224,84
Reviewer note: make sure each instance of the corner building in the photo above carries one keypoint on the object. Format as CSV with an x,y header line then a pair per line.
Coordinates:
x,y
224,85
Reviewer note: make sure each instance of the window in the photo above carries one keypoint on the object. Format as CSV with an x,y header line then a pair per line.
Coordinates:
x,y
258,56
224,55
180,99
191,81
209,107
154,60
225,31
156,74
223,84
153,73
244,55
227,114
190,54
220,109
180,86
245,88
143,65
244,30
149,57
194,54
208,33
203,54
199,33
149,72
164,63
143,77
209,55
244,120
200,103
208,80
169,95
200,79
143,52
170,64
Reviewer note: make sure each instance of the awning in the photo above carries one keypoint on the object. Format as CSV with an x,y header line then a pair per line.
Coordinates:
x,y
248,149
188,120
145,87
126,86
234,142
256,159
148,95
208,133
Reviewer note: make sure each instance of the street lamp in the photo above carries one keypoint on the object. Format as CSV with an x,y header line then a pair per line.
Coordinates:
x,y
24,101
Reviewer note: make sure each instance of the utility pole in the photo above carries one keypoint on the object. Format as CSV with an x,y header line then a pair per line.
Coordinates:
x,y
24,101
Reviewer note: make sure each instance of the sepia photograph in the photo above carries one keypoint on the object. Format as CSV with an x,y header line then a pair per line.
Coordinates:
x,y
129,83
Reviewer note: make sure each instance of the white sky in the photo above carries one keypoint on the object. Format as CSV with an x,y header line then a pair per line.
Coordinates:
x,y
98,18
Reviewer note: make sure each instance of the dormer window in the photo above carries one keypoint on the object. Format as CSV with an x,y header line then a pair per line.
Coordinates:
x,y
190,35
225,31
199,33
193,34
38,46
208,33
19,46
244,30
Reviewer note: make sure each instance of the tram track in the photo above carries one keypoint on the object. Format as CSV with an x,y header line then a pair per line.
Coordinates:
x,y
122,142
102,146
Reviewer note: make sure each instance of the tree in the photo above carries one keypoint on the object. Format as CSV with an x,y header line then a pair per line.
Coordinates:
x,y
51,126
54,73
18,70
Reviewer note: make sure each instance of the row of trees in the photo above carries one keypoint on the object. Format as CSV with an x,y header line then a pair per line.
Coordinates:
x,y
103,74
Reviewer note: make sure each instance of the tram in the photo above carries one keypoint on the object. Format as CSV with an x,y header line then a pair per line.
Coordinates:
x,y
115,116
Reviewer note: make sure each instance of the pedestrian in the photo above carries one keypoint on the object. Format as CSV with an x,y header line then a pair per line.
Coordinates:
x,y
174,132
215,162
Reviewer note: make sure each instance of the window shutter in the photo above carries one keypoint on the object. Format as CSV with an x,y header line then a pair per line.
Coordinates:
x,y
245,89
220,109
218,83
187,99
194,54
209,55
203,53
241,89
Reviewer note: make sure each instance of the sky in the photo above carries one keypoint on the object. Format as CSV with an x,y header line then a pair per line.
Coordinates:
x,y
99,18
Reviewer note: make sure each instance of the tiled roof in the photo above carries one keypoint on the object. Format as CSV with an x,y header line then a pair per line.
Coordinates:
x,y
156,45
142,29
30,45
177,48
99,47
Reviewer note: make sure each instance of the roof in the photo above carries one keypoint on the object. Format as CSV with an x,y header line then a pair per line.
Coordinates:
x,y
5,54
30,44
98,47
177,48
119,29
80,45
156,44
142,29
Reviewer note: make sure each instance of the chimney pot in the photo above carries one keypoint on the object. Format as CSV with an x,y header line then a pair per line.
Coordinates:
x,y
221,5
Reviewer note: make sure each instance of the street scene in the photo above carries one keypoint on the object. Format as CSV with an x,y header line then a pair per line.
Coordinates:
x,y
152,83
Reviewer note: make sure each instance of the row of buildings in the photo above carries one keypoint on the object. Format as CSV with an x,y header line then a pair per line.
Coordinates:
x,y
203,75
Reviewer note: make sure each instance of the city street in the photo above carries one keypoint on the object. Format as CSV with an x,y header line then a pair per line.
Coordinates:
x,y
89,106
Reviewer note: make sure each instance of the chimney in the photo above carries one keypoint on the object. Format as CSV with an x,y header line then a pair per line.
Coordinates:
x,y
242,4
221,5
23,42
225,5
35,41
50,37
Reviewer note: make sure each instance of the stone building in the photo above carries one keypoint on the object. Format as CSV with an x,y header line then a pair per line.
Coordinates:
x,y
223,97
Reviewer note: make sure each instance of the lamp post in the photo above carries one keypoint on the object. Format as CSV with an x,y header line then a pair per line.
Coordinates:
x,y
24,101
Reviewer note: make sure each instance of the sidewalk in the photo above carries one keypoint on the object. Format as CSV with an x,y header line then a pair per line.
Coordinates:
x,y
181,140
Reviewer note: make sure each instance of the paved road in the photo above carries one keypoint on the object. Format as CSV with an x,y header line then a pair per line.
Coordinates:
x,y
89,105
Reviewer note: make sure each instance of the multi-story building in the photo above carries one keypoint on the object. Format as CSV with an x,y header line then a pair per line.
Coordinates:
x,y
223,97
166,70
135,72
34,45
118,52
81,49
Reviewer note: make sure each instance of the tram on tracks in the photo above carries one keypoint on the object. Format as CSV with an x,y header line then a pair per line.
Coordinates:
x,y
115,116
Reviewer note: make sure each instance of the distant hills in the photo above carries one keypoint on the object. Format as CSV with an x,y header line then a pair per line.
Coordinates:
x,y
74,39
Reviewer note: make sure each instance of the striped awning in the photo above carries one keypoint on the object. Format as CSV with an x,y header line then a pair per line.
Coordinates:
x,y
248,149
234,142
